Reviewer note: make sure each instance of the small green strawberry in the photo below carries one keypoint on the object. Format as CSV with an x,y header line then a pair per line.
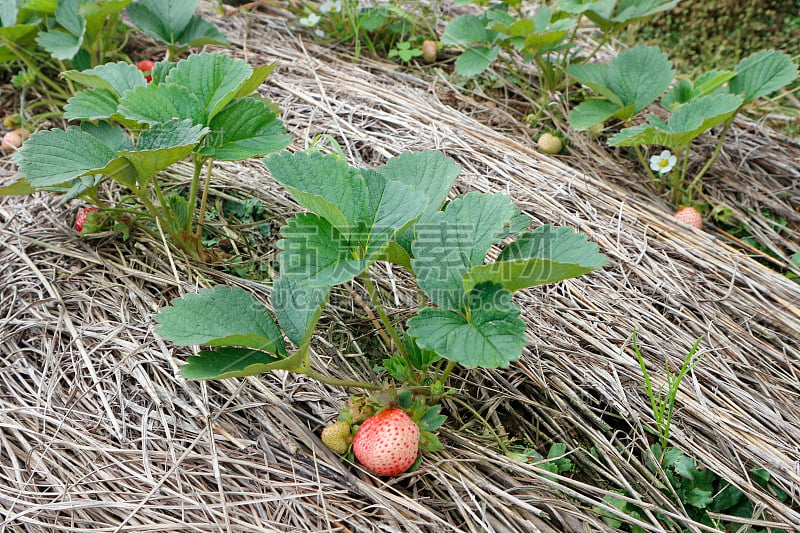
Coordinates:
x,y
337,437
387,443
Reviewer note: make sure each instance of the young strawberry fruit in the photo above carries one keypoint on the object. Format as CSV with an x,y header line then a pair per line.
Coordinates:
x,y
83,215
13,139
337,437
146,66
387,443
690,216
430,49
549,143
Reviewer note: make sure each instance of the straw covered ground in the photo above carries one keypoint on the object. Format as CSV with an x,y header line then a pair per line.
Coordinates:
x,y
98,432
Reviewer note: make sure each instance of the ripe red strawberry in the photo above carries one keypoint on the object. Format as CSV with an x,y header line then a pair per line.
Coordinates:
x,y
690,216
337,437
80,220
387,443
146,66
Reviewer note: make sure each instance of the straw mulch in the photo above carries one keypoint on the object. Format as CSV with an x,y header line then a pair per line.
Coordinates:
x,y
98,432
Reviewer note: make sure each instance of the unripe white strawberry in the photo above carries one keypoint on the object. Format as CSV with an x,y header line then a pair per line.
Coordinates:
x,y
549,143
13,139
690,216
430,49
387,443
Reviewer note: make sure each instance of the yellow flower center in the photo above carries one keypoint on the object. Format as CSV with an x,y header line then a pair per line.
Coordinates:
x,y
663,163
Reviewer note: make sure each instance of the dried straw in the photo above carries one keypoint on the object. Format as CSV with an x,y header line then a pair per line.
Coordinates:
x,y
98,432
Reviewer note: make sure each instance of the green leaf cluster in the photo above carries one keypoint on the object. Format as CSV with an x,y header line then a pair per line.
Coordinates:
x,y
356,217
67,30
174,23
132,130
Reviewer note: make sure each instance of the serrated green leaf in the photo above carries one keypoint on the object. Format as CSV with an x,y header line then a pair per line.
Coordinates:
x,y
111,135
428,172
56,156
456,239
391,207
711,81
118,77
465,29
199,32
231,362
762,73
316,254
69,17
686,123
323,185
156,104
475,60
164,20
160,72
213,78
590,112
491,335
160,147
245,128
22,35
295,306
21,187
59,44
91,104
681,93
222,316
259,76
545,255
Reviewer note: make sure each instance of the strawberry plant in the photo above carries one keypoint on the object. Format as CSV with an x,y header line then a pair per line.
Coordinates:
x,y
546,38
130,130
637,77
354,218
42,36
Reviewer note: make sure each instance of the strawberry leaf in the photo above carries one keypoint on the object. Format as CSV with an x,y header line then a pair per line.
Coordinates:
x,y
490,335
231,362
429,442
117,77
96,14
545,255
213,78
631,82
200,32
295,306
221,316
156,104
429,173
324,185
762,73
315,253
163,145
686,123
245,128
56,156
91,104
456,239
162,19
258,77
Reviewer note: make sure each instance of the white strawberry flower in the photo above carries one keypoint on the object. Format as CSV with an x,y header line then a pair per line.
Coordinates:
x,y
331,6
663,162
309,21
